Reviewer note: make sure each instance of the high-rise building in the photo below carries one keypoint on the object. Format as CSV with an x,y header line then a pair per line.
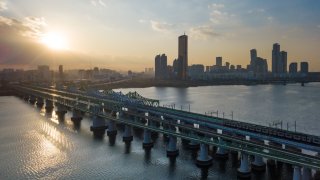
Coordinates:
x,y
253,55
183,56
304,67
283,62
275,58
227,65
293,68
161,67
219,61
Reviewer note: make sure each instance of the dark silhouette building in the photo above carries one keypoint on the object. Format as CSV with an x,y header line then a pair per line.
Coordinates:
x,y
183,56
161,70
219,61
304,67
293,68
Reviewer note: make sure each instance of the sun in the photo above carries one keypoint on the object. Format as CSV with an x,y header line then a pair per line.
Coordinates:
x,y
55,41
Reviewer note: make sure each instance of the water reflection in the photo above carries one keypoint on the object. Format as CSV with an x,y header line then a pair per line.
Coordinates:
x,y
53,135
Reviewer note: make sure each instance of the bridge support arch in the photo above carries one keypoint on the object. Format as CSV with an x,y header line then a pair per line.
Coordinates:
x,y
172,150
204,160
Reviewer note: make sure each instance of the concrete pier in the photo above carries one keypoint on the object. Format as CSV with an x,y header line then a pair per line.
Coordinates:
x,y
40,102
112,128
258,164
296,173
147,141
61,111
127,135
204,160
172,150
76,115
306,173
49,105
32,100
193,145
244,170
98,127
221,152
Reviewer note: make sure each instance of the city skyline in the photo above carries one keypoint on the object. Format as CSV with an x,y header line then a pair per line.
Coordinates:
x,y
96,34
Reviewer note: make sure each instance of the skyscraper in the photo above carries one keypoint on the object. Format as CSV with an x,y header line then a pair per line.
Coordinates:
x,y
283,62
219,61
183,56
275,58
304,67
161,67
293,68
253,55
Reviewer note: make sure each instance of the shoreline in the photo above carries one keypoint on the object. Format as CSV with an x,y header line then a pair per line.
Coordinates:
x,y
145,83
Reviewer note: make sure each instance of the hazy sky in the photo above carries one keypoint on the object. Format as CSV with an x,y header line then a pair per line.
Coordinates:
x,y
127,34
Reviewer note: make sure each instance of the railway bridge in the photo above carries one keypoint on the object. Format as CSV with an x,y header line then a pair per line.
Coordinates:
x,y
198,131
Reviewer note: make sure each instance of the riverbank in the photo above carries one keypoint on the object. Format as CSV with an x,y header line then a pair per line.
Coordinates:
x,y
144,83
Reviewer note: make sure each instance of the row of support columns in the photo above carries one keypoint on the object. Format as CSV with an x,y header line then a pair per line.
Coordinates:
x,y
203,159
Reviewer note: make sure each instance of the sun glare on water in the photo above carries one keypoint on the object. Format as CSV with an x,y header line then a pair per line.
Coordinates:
x,y
56,41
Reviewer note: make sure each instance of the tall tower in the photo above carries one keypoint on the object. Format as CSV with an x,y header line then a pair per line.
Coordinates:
x,y
283,62
183,55
275,58
253,55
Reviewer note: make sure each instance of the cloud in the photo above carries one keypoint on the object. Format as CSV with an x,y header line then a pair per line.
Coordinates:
x,y
142,21
162,26
36,25
257,11
203,32
215,6
3,6
98,2
318,26
217,15
270,18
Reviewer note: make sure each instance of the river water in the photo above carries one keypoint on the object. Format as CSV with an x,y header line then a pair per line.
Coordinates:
x,y
35,145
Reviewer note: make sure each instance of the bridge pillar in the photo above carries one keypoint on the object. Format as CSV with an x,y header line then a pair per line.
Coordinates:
x,y
112,132
258,164
49,105
40,102
204,160
244,170
296,173
193,145
26,98
61,111
147,142
172,150
127,135
76,116
221,152
112,129
32,100
306,173
98,127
